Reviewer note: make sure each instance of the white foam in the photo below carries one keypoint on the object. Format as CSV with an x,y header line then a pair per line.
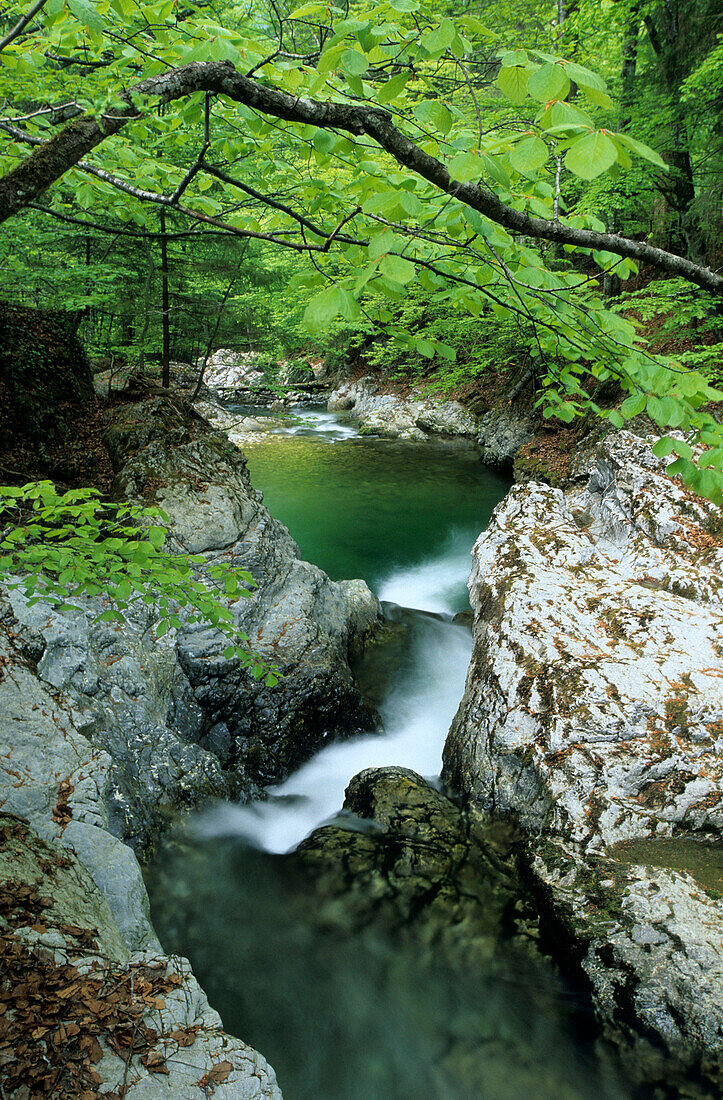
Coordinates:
x,y
434,584
327,425
416,718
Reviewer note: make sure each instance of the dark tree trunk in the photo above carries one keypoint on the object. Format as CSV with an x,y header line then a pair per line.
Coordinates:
x,y
165,319
629,65
669,46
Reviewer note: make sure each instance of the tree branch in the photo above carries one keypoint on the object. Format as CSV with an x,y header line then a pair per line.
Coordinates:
x,y
22,24
28,180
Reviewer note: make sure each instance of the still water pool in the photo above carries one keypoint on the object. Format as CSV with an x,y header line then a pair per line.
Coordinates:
x,y
370,1014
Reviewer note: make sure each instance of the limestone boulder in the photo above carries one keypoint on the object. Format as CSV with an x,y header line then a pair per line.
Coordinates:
x,y
593,715
393,416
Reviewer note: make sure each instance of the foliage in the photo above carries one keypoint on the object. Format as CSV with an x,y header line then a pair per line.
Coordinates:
x,y
541,132
58,547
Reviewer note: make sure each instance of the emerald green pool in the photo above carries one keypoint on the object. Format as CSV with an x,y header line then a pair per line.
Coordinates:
x,y
380,509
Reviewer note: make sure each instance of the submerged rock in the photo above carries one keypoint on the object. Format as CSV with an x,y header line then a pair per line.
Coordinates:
x,y
408,853
593,714
439,884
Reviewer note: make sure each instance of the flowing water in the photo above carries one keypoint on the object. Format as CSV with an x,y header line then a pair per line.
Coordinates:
x,y
363,1016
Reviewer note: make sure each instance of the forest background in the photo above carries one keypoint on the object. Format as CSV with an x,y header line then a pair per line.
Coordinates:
x,y
213,218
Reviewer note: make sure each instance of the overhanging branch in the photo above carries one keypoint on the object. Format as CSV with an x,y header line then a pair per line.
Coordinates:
x,y
53,158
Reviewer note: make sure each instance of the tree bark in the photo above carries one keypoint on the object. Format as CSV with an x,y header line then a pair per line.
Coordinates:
x,y
165,309
49,161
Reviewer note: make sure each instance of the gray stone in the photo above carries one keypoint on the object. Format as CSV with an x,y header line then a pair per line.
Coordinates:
x,y
228,371
53,783
502,431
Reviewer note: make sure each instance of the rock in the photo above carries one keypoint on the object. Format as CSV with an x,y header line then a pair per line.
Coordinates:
x,y
502,431
406,859
181,723
75,913
392,416
131,696
296,617
434,887
293,373
228,371
240,428
593,714
150,703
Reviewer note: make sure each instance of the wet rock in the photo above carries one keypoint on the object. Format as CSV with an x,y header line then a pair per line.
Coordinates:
x,y
411,856
435,888
392,416
240,428
154,704
593,714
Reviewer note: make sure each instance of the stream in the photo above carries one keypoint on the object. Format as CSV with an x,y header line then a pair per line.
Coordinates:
x,y
366,1015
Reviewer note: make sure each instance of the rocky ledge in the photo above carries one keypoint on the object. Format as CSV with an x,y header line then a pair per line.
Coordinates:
x,y
105,730
90,1004
593,715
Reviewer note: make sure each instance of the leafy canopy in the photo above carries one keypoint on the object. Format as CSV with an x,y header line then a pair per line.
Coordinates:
x,y
485,149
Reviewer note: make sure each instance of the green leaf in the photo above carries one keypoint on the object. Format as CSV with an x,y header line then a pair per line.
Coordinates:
x,y
664,447
548,82
393,87
85,12
529,155
382,242
465,167
324,141
512,82
591,155
584,77
643,151
354,63
600,99
398,269
633,405
322,309
440,38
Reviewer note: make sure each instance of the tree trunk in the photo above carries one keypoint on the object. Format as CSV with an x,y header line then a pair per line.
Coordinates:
x,y
667,42
165,320
629,65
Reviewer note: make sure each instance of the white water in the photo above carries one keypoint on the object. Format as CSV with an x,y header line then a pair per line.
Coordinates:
x,y
416,714
434,584
317,422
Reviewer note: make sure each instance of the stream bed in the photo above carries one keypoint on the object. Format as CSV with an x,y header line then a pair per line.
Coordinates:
x,y
343,1012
